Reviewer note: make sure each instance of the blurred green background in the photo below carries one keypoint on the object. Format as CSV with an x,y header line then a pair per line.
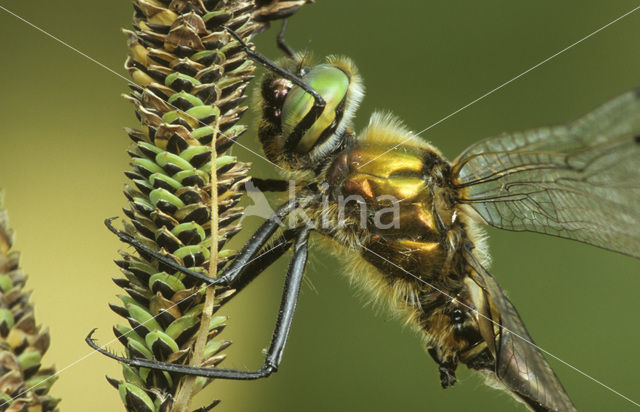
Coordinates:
x,y
62,154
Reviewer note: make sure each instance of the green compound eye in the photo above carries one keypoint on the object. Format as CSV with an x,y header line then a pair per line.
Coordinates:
x,y
332,84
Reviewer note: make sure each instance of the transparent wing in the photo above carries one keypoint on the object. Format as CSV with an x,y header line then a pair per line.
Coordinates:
x,y
579,181
520,365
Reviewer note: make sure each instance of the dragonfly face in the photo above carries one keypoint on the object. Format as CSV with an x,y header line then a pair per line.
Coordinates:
x,y
293,134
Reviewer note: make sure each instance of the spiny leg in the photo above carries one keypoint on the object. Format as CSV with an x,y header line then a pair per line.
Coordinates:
x,y
255,243
290,294
208,407
447,369
282,44
267,256
259,238
278,340
146,251
270,185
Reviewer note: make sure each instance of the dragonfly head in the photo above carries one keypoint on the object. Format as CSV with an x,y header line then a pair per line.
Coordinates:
x,y
293,135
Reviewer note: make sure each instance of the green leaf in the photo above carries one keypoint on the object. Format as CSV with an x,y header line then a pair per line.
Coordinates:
x,y
155,178
193,100
141,348
132,376
204,112
142,266
129,333
143,183
184,174
194,251
244,66
29,359
158,195
152,337
6,284
217,321
6,399
226,253
189,226
139,314
150,147
166,158
40,383
201,132
171,282
205,53
175,76
140,401
224,160
126,300
188,153
6,321
180,325
213,347
149,165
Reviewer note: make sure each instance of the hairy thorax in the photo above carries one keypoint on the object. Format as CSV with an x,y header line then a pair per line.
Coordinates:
x,y
395,209
397,204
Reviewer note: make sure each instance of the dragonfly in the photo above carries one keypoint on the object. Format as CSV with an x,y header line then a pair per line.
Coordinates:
x,y
409,222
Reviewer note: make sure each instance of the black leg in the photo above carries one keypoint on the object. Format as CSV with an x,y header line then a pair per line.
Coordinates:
x,y
145,251
208,407
255,243
278,340
270,185
282,44
289,301
447,369
318,102
260,59
265,258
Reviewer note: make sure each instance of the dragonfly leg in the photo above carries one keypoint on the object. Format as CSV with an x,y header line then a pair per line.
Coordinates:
x,y
446,367
270,185
278,340
265,258
282,44
255,243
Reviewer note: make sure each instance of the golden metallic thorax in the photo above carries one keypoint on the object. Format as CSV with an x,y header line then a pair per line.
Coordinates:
x,y
422,236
